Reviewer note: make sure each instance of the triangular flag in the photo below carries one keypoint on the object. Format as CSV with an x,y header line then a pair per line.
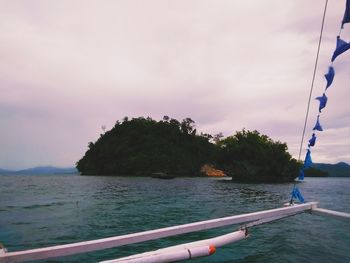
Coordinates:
x,y
308,161
342,46
323,102
318,126
301,175
297,195
312,141
346,18
330,76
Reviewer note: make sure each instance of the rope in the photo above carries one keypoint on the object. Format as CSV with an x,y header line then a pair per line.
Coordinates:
x,y
313,80
264,221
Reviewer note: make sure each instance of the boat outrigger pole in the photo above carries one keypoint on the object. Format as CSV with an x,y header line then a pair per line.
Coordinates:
x,y
184,251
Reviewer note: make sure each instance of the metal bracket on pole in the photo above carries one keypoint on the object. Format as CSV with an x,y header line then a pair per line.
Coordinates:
x,y
3,250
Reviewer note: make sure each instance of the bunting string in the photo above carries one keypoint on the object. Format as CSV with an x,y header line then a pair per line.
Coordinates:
x,y
341,47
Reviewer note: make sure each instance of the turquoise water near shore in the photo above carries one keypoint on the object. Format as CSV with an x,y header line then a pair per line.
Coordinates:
x,y
38,211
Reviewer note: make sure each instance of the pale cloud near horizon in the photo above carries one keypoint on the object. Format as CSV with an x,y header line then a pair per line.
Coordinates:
x,y
68,67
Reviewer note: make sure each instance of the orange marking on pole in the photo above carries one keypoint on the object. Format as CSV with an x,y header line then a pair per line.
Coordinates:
x,y
212,250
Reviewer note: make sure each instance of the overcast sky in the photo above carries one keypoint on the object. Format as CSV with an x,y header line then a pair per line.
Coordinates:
x,y
69,67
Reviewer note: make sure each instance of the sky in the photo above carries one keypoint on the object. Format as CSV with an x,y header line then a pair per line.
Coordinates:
x,y
69,67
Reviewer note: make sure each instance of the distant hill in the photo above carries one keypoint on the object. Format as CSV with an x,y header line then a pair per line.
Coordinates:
x,y
341,169
315,172
334,170
42,170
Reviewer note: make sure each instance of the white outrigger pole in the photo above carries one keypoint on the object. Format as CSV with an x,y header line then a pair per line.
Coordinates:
x,y
175,253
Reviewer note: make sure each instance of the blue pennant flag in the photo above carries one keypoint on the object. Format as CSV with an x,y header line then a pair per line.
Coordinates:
x,y
330,76
342,46
318,126
312,141
301,175
308,161
296,194
346,18
323,102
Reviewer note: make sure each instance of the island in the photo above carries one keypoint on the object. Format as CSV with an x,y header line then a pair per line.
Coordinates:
x,y
144,147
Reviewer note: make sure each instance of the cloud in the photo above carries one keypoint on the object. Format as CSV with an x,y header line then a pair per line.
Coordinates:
x,y
66,68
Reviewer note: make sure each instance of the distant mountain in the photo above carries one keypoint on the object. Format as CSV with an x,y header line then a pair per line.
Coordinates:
x,y
42,170
341,169
334,170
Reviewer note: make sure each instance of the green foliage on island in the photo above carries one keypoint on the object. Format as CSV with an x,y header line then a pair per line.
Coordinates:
x,y
143,146
249,156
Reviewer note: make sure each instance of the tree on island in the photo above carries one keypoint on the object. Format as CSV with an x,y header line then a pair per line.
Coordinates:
x,y
142,146
249,156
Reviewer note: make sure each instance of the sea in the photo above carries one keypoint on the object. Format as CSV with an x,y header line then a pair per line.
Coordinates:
x,y
46,210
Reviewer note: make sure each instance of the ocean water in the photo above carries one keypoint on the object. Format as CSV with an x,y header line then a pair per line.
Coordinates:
x,y
38,211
